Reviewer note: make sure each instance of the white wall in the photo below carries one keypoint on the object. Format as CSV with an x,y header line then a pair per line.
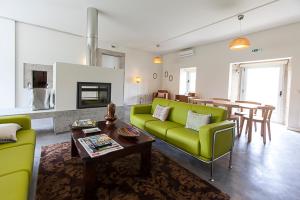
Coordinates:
x,y
67,75
43,46
139,63
7,63
213,62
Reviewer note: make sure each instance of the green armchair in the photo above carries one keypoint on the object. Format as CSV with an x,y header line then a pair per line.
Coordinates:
x,y
210,143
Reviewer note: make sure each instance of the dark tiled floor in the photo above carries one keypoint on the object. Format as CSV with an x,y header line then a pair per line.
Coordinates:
x,y
259,171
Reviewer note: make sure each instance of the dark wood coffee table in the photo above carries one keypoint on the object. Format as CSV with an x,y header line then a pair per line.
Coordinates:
x,y
141,145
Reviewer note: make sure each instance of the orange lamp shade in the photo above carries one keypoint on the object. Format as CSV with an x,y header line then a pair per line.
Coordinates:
x,y
239,43
137,79
157,60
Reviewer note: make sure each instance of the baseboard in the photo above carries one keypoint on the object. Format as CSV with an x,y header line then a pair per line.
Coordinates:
x,y
293,129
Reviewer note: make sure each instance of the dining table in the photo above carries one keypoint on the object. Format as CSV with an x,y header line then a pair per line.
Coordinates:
x,y
229,105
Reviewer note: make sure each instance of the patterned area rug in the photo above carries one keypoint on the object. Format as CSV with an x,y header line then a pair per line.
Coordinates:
x,y
60,178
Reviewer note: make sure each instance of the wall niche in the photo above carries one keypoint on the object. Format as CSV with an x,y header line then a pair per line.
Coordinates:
x,y
38,76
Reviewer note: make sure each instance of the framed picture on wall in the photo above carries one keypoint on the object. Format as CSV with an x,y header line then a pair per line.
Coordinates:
x,y
166,74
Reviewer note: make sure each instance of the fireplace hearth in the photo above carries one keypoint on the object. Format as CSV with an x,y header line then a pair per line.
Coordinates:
x,y
92,95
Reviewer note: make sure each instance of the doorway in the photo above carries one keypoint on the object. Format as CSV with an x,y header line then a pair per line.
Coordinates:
x,y
187,80
262,81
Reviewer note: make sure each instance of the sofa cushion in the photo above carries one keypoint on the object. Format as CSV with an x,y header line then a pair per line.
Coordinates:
x,y
23,137
179,111
159,101
8,132
14,186
217,114
16,158
161,112
139,120
159,128
195,120
186,139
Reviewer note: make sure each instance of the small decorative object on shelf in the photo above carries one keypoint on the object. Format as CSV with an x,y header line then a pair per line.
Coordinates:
x,y
110,116
84,123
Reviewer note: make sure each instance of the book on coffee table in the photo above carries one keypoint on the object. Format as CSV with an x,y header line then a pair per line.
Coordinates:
x,y
97,145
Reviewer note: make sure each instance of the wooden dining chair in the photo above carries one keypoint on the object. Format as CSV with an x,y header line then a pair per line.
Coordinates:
x,y
243,111
264,119
231,117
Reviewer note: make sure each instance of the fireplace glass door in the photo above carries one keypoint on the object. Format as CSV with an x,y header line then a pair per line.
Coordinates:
x,y
91,95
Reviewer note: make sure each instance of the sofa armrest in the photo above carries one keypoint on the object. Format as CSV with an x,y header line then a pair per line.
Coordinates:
x,y
22,120
141,109
224,136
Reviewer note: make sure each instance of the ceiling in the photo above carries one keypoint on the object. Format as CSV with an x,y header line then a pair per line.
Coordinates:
x,y
142,24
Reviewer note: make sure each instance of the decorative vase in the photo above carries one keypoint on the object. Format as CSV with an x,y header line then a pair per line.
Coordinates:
x,y
110,116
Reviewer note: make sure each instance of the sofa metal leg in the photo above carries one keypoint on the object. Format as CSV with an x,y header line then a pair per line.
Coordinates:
x,y
212,172
230,160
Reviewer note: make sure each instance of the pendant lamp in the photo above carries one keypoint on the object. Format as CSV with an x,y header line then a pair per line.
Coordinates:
x,y
157,59
239,42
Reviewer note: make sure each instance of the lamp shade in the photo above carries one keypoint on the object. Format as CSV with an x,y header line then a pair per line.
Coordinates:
x,y
137,79
157,60
239,43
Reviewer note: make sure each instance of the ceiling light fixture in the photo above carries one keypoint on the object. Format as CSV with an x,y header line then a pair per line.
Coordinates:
x,y
239,42
157,59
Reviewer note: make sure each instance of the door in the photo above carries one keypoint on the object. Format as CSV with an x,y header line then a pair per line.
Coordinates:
x,y
264,83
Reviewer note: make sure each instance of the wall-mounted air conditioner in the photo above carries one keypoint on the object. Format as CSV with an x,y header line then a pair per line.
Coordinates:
x,y
186,53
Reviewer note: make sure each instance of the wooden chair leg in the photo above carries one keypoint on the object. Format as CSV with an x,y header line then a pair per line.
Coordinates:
x,y
247,128
263,125
238,127
269,130
241,125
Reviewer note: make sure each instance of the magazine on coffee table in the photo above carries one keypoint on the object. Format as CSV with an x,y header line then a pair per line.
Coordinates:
x,y
97,145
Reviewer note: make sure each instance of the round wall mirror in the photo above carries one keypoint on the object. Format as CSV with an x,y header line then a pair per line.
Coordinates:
x,y
155,76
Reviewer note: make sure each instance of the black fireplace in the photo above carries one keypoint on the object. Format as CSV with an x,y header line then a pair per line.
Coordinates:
x,y
92,95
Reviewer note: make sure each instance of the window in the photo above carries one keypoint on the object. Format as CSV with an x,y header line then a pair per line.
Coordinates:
x,y
187,80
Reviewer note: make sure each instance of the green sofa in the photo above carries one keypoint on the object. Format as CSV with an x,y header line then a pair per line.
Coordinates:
x,y
16,160
210,143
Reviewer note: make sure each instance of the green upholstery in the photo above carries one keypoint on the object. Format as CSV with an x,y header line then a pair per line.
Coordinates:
x,y
223,141
186,139
23,120
23,137
14,186
17,160
141,119
199,144
141,109
179,112
217,114
159,128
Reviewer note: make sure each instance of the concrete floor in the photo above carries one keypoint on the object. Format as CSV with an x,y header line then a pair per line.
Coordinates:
x,y
259,171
